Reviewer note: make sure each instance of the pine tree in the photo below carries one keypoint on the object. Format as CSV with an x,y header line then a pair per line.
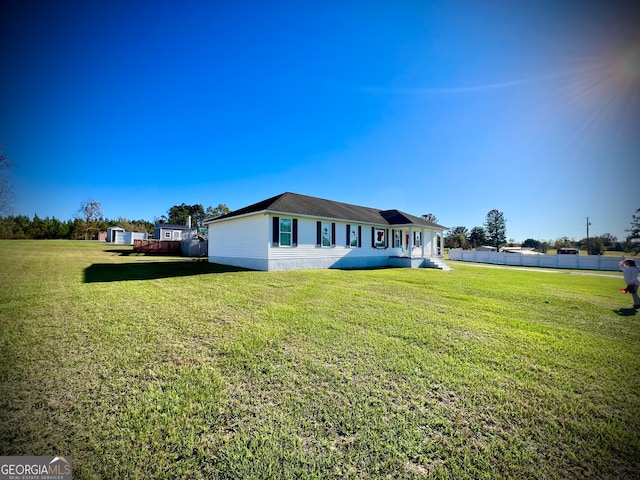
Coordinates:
x,y
495,227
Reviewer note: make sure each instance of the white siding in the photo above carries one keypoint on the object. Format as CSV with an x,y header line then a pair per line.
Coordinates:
x,y
309,255
248,242
240,241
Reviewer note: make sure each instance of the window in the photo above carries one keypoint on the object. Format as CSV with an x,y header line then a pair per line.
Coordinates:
x,y
417,239
397,238
353,236
285,232
379,240
167,235
326,234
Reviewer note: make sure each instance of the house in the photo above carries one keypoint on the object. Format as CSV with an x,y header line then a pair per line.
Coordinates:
x,y
293,232
167,231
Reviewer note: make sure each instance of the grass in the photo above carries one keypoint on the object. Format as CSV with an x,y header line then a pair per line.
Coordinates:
x,y
155,367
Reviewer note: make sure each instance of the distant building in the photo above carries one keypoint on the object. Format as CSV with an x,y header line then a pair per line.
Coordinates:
x,y
167,231
522,250
111,234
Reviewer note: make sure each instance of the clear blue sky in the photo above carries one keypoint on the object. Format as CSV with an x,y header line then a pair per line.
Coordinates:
x,y
445,107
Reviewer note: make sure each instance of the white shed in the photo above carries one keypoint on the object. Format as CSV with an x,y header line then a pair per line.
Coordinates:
x,y
111,233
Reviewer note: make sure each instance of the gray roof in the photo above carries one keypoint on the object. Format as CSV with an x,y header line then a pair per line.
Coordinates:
x,y
174,226
294,203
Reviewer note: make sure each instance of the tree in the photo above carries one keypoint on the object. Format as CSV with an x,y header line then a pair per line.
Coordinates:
x,y
221,209
633,239
564,242
132,225
6,192
456,238
531,243
609,240
595,246
477,237
89,213
543,247
495,226
430,217
179,214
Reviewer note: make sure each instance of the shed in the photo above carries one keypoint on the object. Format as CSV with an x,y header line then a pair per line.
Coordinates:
x,y
111,233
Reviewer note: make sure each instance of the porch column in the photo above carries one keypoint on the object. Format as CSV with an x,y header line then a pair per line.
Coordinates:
x,y
432,241
410,246
424,237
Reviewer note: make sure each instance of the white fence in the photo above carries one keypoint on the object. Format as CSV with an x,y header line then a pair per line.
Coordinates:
x,y
579,262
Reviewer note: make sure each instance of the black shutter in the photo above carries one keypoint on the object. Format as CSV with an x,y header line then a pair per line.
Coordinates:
x,y
333,234
348,236
386,238
360,235
294,242
373,237
393,238
318,234
276,232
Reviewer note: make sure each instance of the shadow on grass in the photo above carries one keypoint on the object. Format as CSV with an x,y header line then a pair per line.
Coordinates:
x,y
122,272
626,312
122,252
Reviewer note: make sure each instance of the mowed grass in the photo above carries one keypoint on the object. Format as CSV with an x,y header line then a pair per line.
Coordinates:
x,y
155,367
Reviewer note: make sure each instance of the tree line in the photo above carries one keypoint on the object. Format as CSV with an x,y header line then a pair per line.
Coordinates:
x,y
89,220
493,233
24,227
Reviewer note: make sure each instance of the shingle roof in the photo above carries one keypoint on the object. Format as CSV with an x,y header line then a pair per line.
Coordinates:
x,y
173,226
294,203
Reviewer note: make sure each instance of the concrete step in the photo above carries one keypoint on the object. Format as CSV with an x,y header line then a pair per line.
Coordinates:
x,y
438,263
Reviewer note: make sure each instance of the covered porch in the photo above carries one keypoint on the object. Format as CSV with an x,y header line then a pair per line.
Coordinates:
x,y
414,246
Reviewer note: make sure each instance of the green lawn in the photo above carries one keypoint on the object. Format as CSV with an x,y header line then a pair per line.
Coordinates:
x,y
156,367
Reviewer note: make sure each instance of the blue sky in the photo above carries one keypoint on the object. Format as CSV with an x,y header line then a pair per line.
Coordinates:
x,y
452,108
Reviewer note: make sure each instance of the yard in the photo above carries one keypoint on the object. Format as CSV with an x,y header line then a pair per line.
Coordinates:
x,y
161,367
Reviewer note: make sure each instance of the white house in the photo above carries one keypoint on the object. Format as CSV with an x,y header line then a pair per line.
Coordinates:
x,y
294,232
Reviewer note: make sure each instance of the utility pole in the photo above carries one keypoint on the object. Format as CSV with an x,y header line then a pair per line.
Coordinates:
x,y
588,249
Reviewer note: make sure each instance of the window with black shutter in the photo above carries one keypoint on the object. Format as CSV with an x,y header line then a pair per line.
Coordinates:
x,y
318,234
295,233
275,238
